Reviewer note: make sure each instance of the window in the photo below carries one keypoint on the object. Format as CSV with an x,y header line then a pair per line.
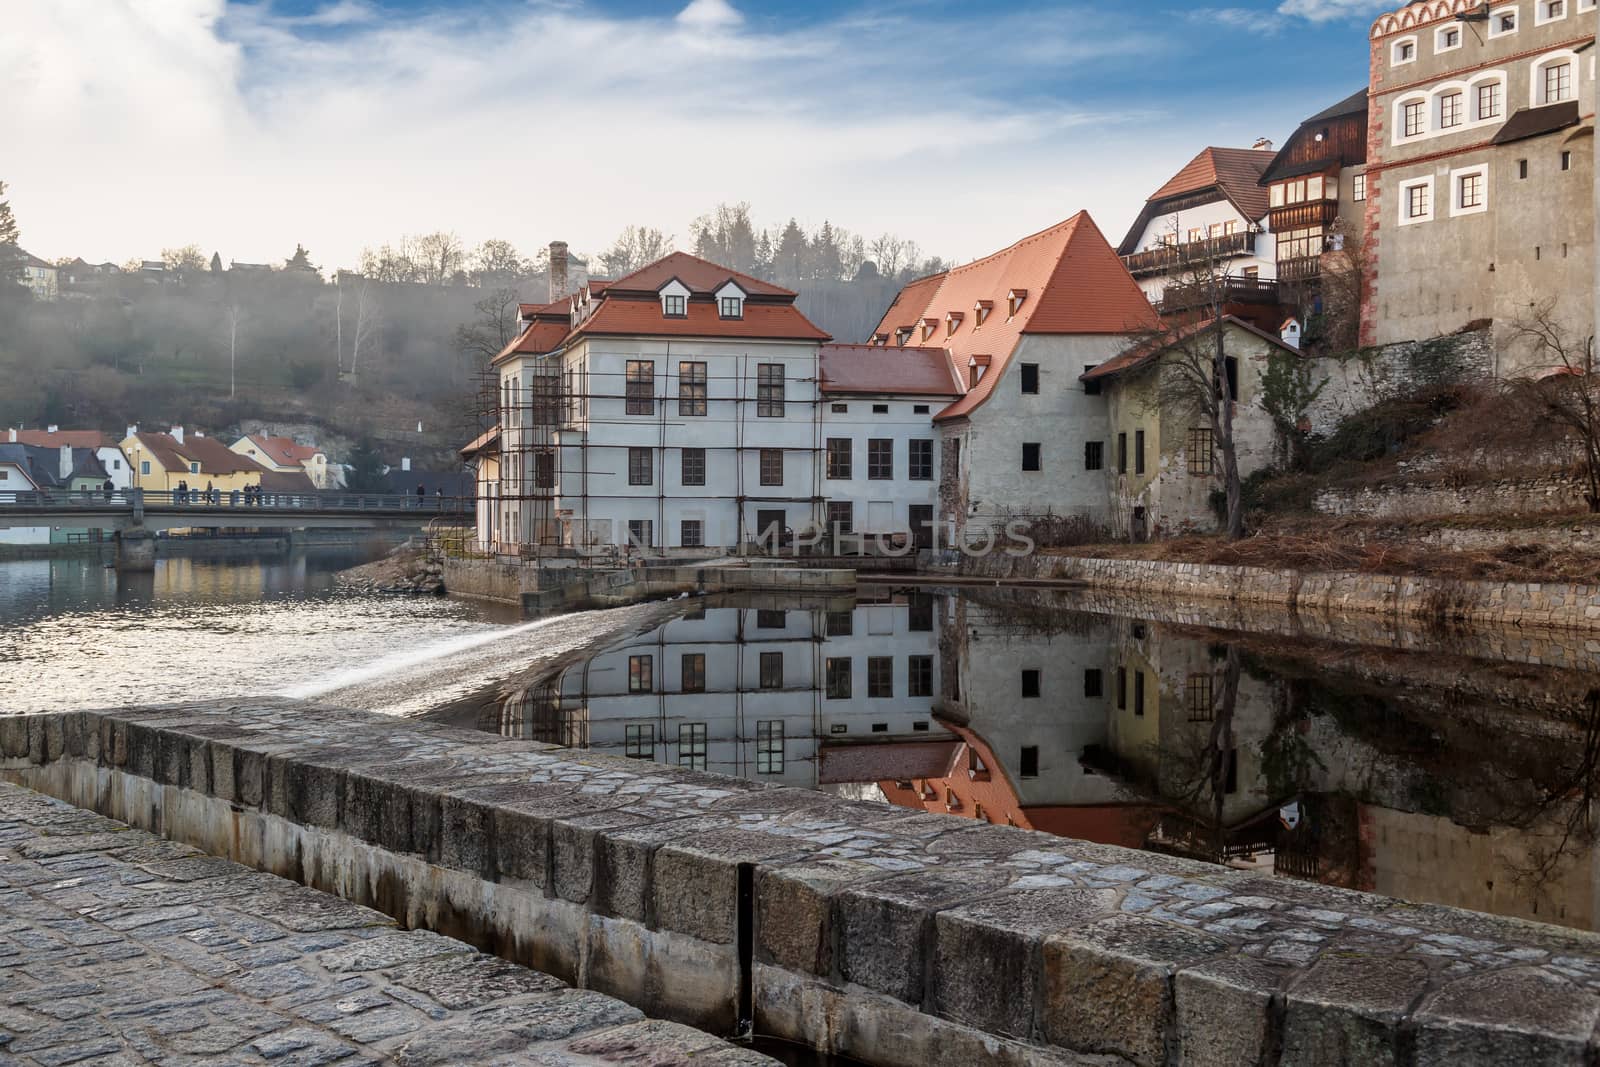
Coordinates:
x,y
694,672
641,533
772,670
732,307
1566,160
641,387
840,409
1450,110
692,533
1414,116
1358,187
841,516
880,459
919,676
919,613
769,390
1557,82
1314,187
640,740
919,409
691,389
880,409
839,459
1491,100
1028,764
692,745
1404,51
1122,453
920,464
144,466
1138,451
1201,451
771,466
1030,456
838,623
1093,683
1197,696
1030,682
674,305
641,674
1014,300
1030,377
1470,188
639,466
1522,168
1416,201
1447,39
771,619
769,746
1502,22
1138,692
1091,388
544,470
880,676
694,466
1549,11
836,669
1122,688
1094,455
194,468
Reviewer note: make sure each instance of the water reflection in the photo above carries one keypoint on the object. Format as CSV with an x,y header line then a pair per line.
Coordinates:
x,y
1428,773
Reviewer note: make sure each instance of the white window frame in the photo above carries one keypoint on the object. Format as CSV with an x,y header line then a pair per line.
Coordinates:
x,y
1536,73
1494,21
1358,187
1438,39
1400,135
1473,88
1399,43
1482,171
1405,188
1585,5
1541,8
1436,108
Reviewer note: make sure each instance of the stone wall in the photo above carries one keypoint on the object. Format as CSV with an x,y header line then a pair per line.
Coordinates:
x,y
1554,493
1549,605
1378,374
892,936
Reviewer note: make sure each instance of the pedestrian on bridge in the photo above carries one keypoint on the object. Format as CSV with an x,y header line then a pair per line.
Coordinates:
x,y
108,489
422,495
183,491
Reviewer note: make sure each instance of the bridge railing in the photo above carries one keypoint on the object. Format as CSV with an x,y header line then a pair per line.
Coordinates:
x,y
235,499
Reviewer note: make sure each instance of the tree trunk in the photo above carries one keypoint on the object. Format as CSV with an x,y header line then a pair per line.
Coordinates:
x,y
1233,490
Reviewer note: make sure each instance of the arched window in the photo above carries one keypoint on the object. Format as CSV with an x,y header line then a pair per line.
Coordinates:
x,y
1403,51
1554,78
1410,117
1487,97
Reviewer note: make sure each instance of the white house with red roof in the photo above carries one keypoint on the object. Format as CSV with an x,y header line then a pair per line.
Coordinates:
x,y
1028,437
106,450
285,455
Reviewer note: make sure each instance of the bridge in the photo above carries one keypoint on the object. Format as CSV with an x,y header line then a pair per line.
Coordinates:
x,y
136,514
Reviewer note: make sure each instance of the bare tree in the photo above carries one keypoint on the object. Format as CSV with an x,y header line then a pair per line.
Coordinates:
x,y
889,253
1343,275
366,310
439,257
497,263
1561,385
233,316
391,263
635,247
493,326
187,258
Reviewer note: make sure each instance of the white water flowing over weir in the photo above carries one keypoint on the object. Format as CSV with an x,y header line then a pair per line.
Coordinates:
x,y
418,680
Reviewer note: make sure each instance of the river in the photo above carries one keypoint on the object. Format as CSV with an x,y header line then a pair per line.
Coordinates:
x,y
1437,767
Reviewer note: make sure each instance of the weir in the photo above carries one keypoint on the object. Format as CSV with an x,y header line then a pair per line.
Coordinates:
x,y
894,937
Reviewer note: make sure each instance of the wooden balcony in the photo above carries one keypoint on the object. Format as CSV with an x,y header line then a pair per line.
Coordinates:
x,y
1175,257
1238,291
1305,269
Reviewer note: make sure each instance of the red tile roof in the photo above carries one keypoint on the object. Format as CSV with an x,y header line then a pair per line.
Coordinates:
x,y
876,369
700,275
486,442
1234,172
284,451
1149,348
71,438
773,322
213,456
1075,285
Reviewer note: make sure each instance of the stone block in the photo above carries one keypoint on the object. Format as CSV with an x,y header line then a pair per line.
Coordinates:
x,y
884,929
988,958
1348,1009
624,862
466,839
14,736
1519,1015
695,882
572,849
1109,987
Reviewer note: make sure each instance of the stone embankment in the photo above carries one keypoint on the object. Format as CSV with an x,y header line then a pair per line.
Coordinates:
x,y
1546,605
118,947
407,571
901,938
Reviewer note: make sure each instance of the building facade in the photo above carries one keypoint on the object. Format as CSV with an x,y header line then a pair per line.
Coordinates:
x,y
161,461
1316,189
284,455
1479,179
107,451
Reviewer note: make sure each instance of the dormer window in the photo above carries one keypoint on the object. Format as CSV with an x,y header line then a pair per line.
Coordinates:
x,y
674,306
952,322
928,326
880,339
730,301
902,335
1014,300
981,310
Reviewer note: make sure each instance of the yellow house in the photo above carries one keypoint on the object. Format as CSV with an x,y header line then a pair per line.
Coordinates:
x,y
162,460
285,456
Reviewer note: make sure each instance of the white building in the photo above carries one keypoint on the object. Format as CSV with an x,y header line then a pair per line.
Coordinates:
x,y
107,451
1214,208
775,695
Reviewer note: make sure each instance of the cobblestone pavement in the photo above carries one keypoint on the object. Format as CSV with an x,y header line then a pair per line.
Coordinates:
x,y
121,948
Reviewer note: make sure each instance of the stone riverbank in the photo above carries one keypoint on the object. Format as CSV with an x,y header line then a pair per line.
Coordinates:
x,y
119,947
898,937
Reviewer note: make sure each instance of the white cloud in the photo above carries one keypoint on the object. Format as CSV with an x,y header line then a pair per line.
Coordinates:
x,y
1328,10
150,123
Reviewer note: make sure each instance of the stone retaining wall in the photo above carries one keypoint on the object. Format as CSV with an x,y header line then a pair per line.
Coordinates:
x,y
545,592
896,937
1433,601
1511,496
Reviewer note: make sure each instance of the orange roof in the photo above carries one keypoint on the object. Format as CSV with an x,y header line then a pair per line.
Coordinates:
x,y
545,334
773,322
70,438
891,369
213,456
284,451
700,275
1075,285
488,441
1236,171
1146,349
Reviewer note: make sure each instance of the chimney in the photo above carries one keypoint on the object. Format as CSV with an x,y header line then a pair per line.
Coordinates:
x,y
1290,332
1262,145
133,428
405,464
177,434
558,270
66,462
13,436
52,428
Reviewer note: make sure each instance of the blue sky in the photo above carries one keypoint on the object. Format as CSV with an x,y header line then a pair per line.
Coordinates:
x,y
246,127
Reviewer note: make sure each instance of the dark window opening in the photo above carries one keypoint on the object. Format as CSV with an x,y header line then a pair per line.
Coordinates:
x,y
1030,377
837,671
920,462
640,387
1030,682
880,676
1028,764
1094,455
772,670
694,672
1093,683
1030,456
880,458
919,676
1138,451
694,466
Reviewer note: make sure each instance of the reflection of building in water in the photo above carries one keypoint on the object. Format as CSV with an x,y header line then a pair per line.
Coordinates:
x,y
803,697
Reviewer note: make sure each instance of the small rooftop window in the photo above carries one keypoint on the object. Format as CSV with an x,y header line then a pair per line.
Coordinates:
x,y
928,326
674,300
1015,299
981,310
952,322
